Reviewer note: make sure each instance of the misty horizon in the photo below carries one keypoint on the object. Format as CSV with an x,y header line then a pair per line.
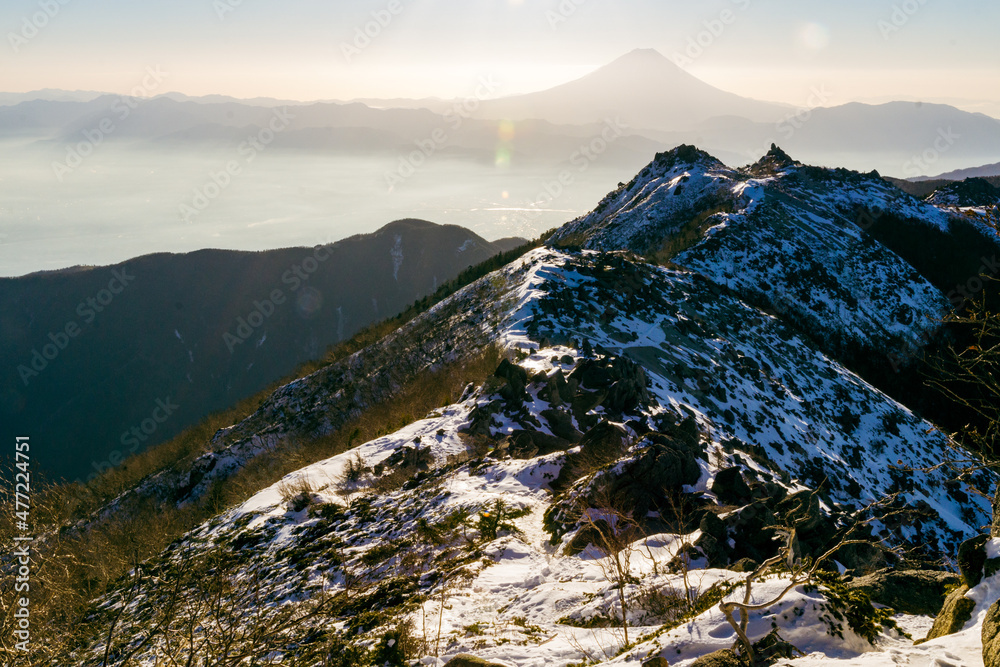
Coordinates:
x,y
382,49
682,57
423,112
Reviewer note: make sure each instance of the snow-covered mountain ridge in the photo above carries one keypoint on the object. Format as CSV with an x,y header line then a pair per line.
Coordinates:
x,y
790,238
686,395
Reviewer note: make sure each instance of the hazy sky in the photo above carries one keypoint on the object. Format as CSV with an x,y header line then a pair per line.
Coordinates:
x,y
869,50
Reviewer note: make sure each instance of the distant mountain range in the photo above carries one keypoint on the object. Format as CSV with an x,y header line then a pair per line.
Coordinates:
x,y
51,95
657,103
985,171
101,362
351,129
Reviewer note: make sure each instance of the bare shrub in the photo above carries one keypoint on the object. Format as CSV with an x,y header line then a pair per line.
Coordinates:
x,y
661,604
297,493
614,534
801,571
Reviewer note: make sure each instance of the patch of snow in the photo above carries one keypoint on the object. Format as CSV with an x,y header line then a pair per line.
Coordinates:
x,y
397,256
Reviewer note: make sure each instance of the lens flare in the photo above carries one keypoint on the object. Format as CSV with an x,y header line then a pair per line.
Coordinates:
x,y
502,157
506,131
814,36
505,143
309,302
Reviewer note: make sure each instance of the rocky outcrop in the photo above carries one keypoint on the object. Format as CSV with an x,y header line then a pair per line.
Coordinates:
x,y
991,636
909,591
954,615
730,487
972,559
658,661
516,378
724,658
661,468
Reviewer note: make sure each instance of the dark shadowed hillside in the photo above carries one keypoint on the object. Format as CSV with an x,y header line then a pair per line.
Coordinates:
x,y
100,362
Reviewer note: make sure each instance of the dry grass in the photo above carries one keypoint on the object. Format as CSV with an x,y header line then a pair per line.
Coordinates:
x,y
72,567
80,501
426,392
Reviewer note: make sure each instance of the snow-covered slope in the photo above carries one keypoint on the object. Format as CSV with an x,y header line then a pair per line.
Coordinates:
x,y
784,236
691,379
